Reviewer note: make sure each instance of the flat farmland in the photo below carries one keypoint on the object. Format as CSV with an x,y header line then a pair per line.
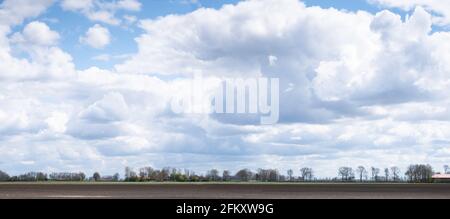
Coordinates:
x,y
221,191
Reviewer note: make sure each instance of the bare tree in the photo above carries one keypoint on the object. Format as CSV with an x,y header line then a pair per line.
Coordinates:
x,y
410,173
130,175
164,174
150,172
375,172
244,175
267,175
262,175
82,176
290,174
446,169
362,173
346,173
274,175
96,176
213,175
41,176
306,173
395,172
226,175
419,173
128,171
143,175
386,174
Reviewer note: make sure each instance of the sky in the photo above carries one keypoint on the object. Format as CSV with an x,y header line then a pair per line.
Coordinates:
x,y
86,85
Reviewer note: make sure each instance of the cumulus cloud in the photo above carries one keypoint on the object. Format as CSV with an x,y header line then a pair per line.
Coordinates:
x,y
357,88
400,47
57,122
97,37
101,11
110,109
440,9
13,12
189,44
37,33
369,66
45,60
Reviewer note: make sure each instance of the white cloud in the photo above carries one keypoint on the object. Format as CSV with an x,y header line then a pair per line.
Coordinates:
x,y
110,109
13,12
440,9
45,61
37,33
104,16
341,68
130,5
97,37
394,71
101,11
77,4
57,122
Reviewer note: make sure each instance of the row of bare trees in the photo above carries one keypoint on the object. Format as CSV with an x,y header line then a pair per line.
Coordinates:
x,y
62,177
415,173
361,174
172,174
419,173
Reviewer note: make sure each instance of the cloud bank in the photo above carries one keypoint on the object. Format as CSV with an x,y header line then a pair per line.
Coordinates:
x,y
356,89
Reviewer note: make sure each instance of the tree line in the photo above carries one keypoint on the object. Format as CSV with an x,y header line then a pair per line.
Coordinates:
x,y
417,173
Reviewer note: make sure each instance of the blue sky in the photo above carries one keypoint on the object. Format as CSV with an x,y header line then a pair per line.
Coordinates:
x,y
365,85
71,25
342,4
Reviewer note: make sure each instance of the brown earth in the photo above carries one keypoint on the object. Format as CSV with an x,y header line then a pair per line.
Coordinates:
x,y
223,191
